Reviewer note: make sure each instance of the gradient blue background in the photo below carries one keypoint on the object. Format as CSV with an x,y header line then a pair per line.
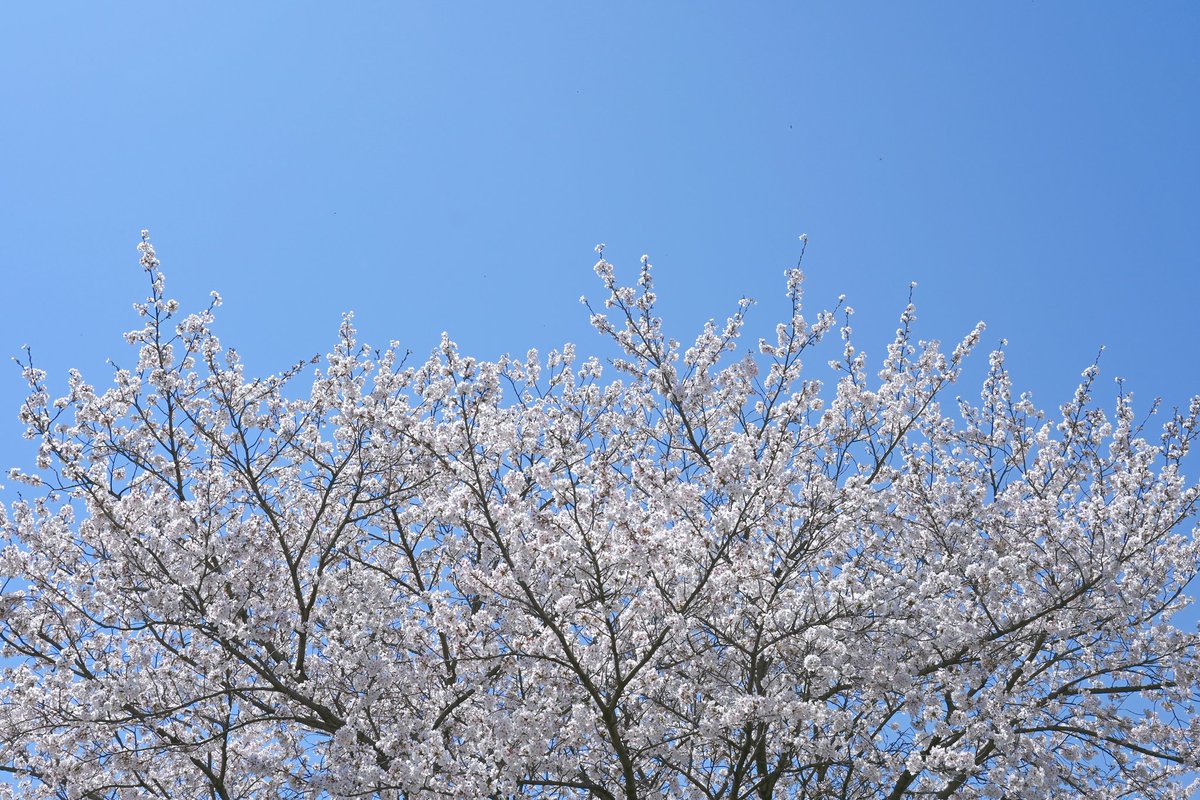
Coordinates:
x,y
450,167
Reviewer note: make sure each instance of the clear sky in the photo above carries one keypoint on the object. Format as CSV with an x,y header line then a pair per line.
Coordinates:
x,y
450,167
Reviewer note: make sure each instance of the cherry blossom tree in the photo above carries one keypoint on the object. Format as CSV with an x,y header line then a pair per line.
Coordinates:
x,y
711,575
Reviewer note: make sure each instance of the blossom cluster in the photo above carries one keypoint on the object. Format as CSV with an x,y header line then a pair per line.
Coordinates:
x,y
711,576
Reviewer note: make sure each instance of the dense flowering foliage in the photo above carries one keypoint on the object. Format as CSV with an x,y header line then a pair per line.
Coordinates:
x,y
709,577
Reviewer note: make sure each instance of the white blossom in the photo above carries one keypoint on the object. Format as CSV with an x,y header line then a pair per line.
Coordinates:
x,y
714,575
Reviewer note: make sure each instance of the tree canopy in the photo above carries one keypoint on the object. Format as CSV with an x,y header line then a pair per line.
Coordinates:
x,y
687,572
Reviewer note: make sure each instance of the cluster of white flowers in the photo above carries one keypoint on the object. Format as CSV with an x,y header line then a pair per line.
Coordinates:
x,y
711,578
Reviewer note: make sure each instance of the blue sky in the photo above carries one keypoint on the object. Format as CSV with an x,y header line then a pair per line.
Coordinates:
x,y
450,167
